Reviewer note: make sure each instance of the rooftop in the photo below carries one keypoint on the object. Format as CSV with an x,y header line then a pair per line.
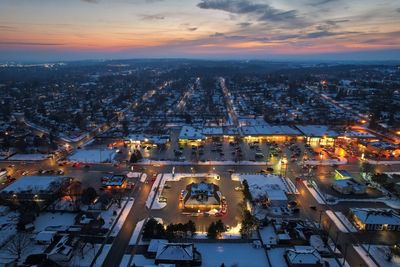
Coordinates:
x,y
35,184
376,216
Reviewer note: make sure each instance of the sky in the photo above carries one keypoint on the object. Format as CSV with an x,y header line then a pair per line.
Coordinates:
x,y
219,29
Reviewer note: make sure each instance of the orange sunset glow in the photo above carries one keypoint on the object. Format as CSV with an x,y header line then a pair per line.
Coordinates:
x,y
171,28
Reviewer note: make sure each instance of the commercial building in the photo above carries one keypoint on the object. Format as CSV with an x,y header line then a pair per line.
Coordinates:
x,y
180,254
376,219
40,189
202,196
318,134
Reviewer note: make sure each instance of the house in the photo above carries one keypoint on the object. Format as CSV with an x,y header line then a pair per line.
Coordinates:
x,y
153,247
39,260
303,256
38,189
349,186
102,202
180,254
375,219
45,237
63,250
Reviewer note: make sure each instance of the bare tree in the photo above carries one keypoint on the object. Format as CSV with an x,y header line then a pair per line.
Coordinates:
x,y
18,245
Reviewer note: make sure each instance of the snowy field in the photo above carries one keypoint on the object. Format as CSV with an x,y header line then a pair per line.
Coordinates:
x,y
239,255
268,235
136,232
276,256
125,260
378,253
364,255
140,260
122,218
314,193
93,155
85,258
260,183
28,157
53,219
8,224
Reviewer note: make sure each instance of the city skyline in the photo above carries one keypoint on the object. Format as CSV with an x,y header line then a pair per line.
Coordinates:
x,y
220,29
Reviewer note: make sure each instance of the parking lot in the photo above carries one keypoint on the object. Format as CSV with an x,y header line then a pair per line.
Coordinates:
x,y
173,214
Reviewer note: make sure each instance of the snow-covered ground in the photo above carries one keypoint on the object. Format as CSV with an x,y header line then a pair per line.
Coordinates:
x,y
8,224
382,162
53,219
108,215
346,222
136,232
268,235
125,260
31,248
122,218
28,157
314,193
239,254
93,155
213,163
378,253
326,162
85,258
364,255
338,223
141,260
276,257
153,192
260,183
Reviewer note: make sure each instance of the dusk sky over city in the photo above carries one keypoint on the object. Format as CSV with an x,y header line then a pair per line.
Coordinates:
x,y
48,29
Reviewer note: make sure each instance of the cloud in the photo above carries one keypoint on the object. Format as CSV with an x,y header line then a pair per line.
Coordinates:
x,y
321,34
398,10
153,17
217,35
260,11
91,1
244,24
192,29
322,2
29,43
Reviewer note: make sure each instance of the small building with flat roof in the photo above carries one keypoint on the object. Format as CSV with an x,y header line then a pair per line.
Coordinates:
x,y
376,219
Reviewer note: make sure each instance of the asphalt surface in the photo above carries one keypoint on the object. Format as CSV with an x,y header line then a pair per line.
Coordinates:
x,y
91,176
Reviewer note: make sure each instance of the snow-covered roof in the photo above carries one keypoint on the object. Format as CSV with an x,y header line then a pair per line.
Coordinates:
x,y
303,255
175,251
35,184
276,195
45,236
190,133
267,129
155,244
212,131
376,216
316,130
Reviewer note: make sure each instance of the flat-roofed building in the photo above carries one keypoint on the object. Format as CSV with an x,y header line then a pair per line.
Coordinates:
x,y
376,219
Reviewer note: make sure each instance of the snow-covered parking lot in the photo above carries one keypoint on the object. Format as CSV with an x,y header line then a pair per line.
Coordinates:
x,y
240,255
